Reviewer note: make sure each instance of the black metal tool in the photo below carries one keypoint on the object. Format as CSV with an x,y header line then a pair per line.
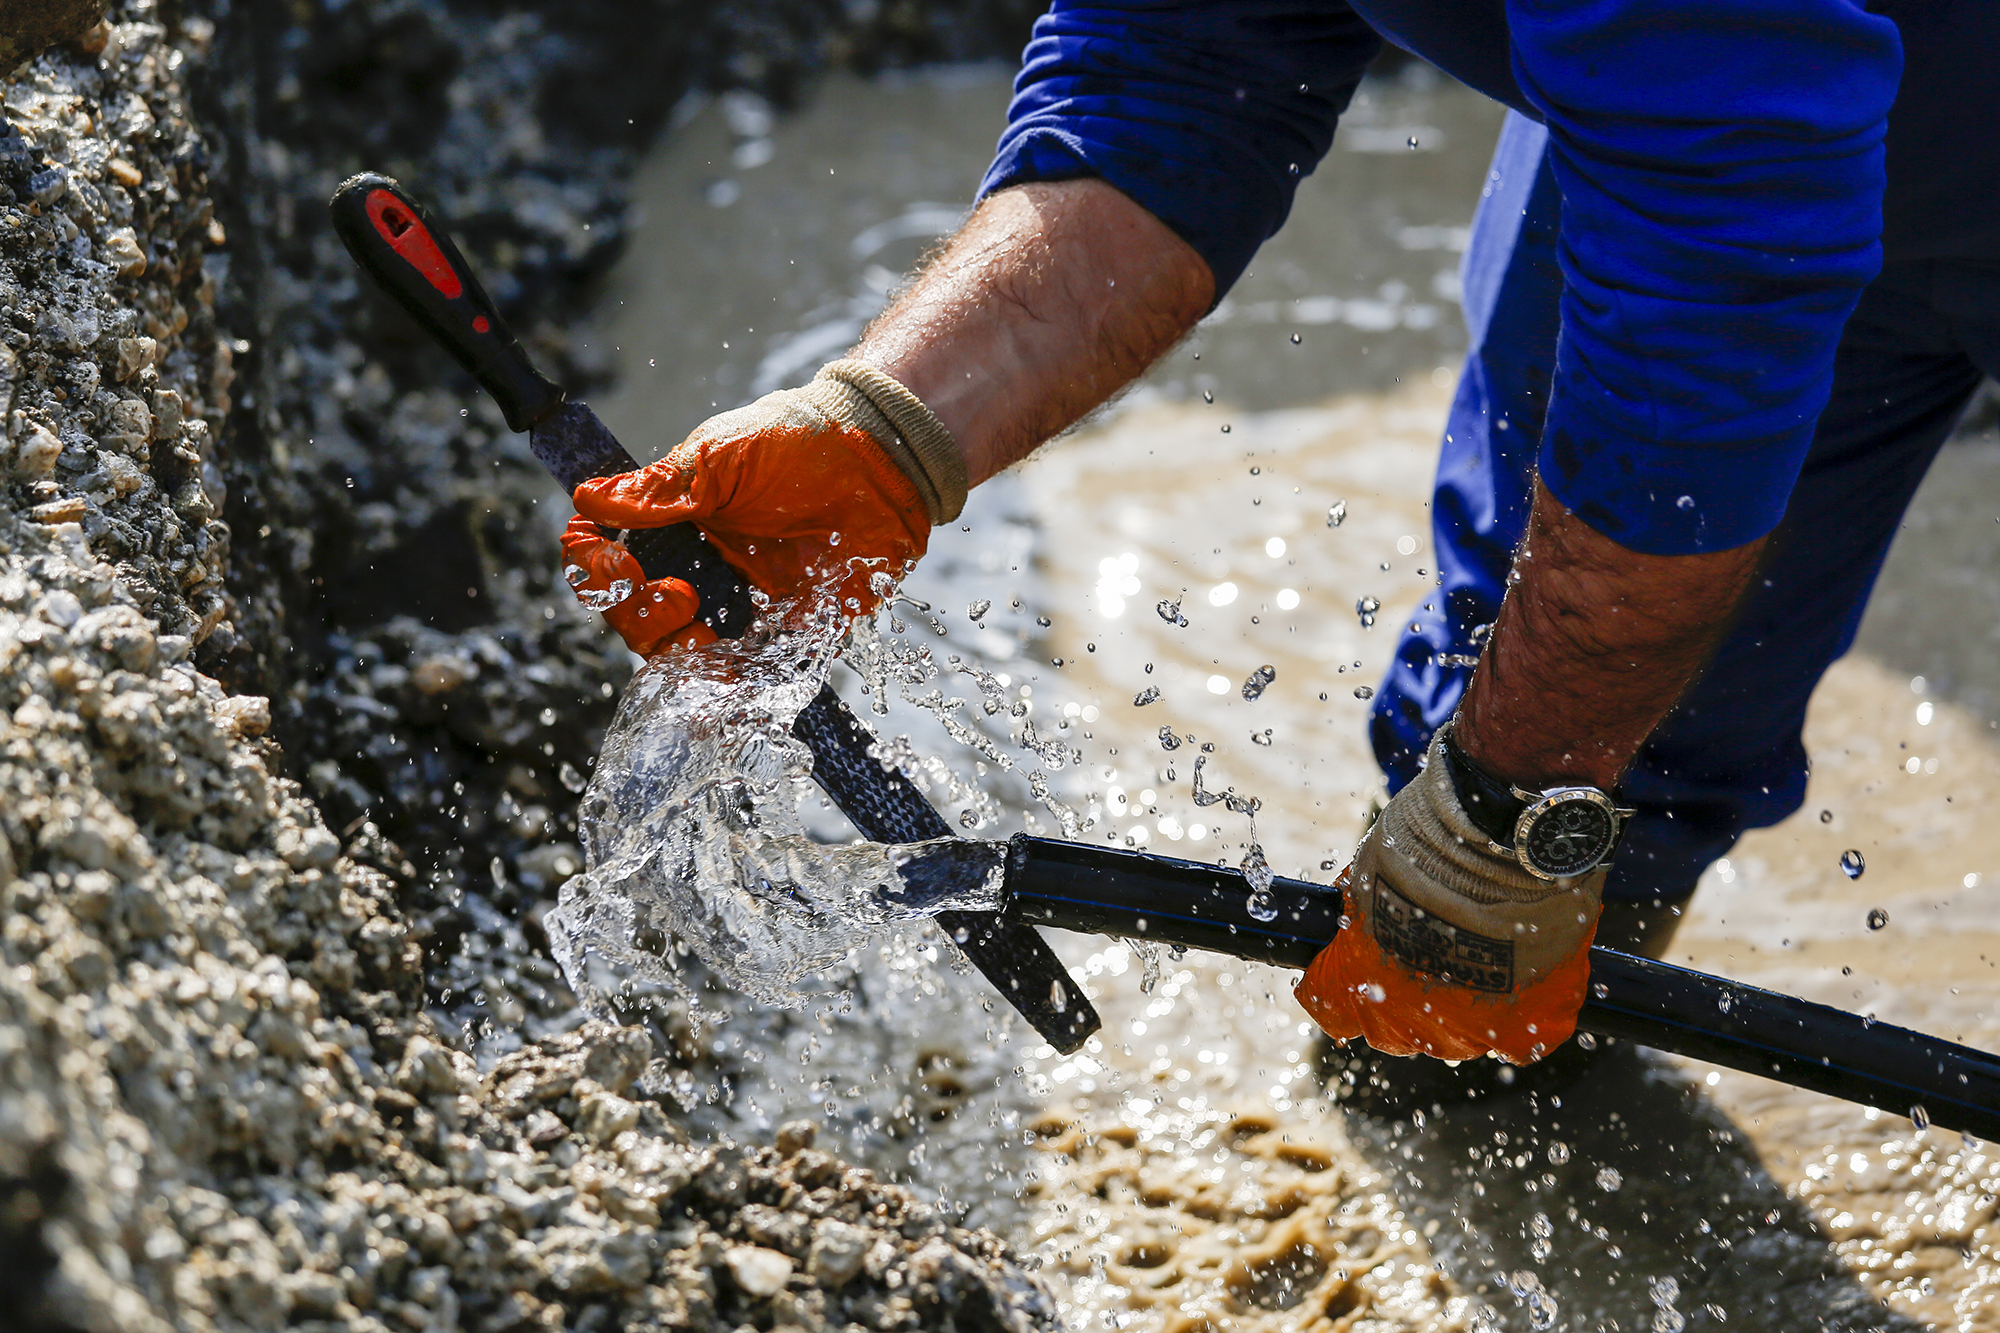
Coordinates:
x,y
394,239
1108,891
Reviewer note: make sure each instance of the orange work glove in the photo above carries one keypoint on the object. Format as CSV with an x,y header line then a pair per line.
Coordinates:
x,y
1450,948
817,488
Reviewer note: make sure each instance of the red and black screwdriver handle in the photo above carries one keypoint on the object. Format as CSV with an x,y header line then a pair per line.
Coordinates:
x,y
413,259
397,242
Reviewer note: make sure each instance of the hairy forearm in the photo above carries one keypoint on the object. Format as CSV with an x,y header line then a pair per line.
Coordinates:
x,y
1049,299
1592,647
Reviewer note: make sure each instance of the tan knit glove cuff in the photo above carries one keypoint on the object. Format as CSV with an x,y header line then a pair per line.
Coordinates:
x,y
865,398
1440,900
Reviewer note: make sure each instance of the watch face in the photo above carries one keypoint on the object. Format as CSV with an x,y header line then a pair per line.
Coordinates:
x,y
1567,832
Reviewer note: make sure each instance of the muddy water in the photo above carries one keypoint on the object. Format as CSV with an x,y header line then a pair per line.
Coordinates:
x,y
1183,1172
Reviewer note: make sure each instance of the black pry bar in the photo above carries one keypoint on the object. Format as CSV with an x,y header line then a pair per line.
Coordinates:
x,y
393,238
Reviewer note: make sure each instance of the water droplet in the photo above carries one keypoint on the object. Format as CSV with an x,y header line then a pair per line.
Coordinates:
x,y
1541,1229
1169,741
1558,1153
1364,691
1920,1117
1043,621
1366,608
1373,992
1877,918
604,599
1685,502
1609,1178
1225,428
574,574
1852,863
1208,395
1170,611
1413,141
1258,681
1256,472
1586,1041
570,777
1058,995
969,818
1149,965
978,609
1261,737
1296,340
1336,513
1725,1002
833,539
1150,694
1826,816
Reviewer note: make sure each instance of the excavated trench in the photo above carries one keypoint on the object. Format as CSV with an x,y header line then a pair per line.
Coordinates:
x,y
292,715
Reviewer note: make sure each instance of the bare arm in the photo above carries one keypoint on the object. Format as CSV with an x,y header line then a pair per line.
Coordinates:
x,y
1592,647
1050,299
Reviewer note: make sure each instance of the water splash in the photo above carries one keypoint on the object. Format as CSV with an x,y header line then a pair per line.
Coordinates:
x,y
690,828
1259,681
1170,611
1257,874
1151,694
604,599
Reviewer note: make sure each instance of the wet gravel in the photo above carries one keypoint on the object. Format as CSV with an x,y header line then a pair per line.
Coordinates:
x,y
292,714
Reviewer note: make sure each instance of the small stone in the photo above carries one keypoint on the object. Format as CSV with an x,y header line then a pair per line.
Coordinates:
x,y
761,1273
306,848
246,715
427,1069
837,1251
38,453
135,355
70,509
619,1059
123,252
606,1115
796,1135
123,172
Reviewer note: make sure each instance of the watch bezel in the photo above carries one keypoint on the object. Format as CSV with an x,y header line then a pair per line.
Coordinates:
x,y
1541,804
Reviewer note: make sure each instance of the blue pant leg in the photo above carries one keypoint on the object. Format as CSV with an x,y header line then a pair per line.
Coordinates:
x,y
1730,756
1479,507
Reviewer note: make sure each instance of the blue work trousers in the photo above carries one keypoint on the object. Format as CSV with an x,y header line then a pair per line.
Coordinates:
x,y
1730,756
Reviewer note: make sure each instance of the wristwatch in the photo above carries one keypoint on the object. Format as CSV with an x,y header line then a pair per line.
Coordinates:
x,y
1558,833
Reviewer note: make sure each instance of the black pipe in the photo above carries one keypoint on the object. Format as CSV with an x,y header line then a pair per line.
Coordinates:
x,y
1137,895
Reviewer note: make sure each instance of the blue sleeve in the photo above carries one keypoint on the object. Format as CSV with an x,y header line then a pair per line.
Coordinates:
x,y
1206,112
1721,170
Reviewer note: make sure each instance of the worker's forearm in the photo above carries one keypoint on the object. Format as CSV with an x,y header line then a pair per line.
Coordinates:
x,y
1592,647
1050,299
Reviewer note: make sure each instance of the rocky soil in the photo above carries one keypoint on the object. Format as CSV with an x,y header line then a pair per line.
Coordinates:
x,y
292,713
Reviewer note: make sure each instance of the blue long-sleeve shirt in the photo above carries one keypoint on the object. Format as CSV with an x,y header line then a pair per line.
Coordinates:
x,y
1722,170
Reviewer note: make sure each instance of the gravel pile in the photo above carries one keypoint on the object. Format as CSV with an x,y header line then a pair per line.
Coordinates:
x,y
292,717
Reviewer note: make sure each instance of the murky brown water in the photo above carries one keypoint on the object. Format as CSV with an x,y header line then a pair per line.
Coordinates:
x,y
1182,1173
